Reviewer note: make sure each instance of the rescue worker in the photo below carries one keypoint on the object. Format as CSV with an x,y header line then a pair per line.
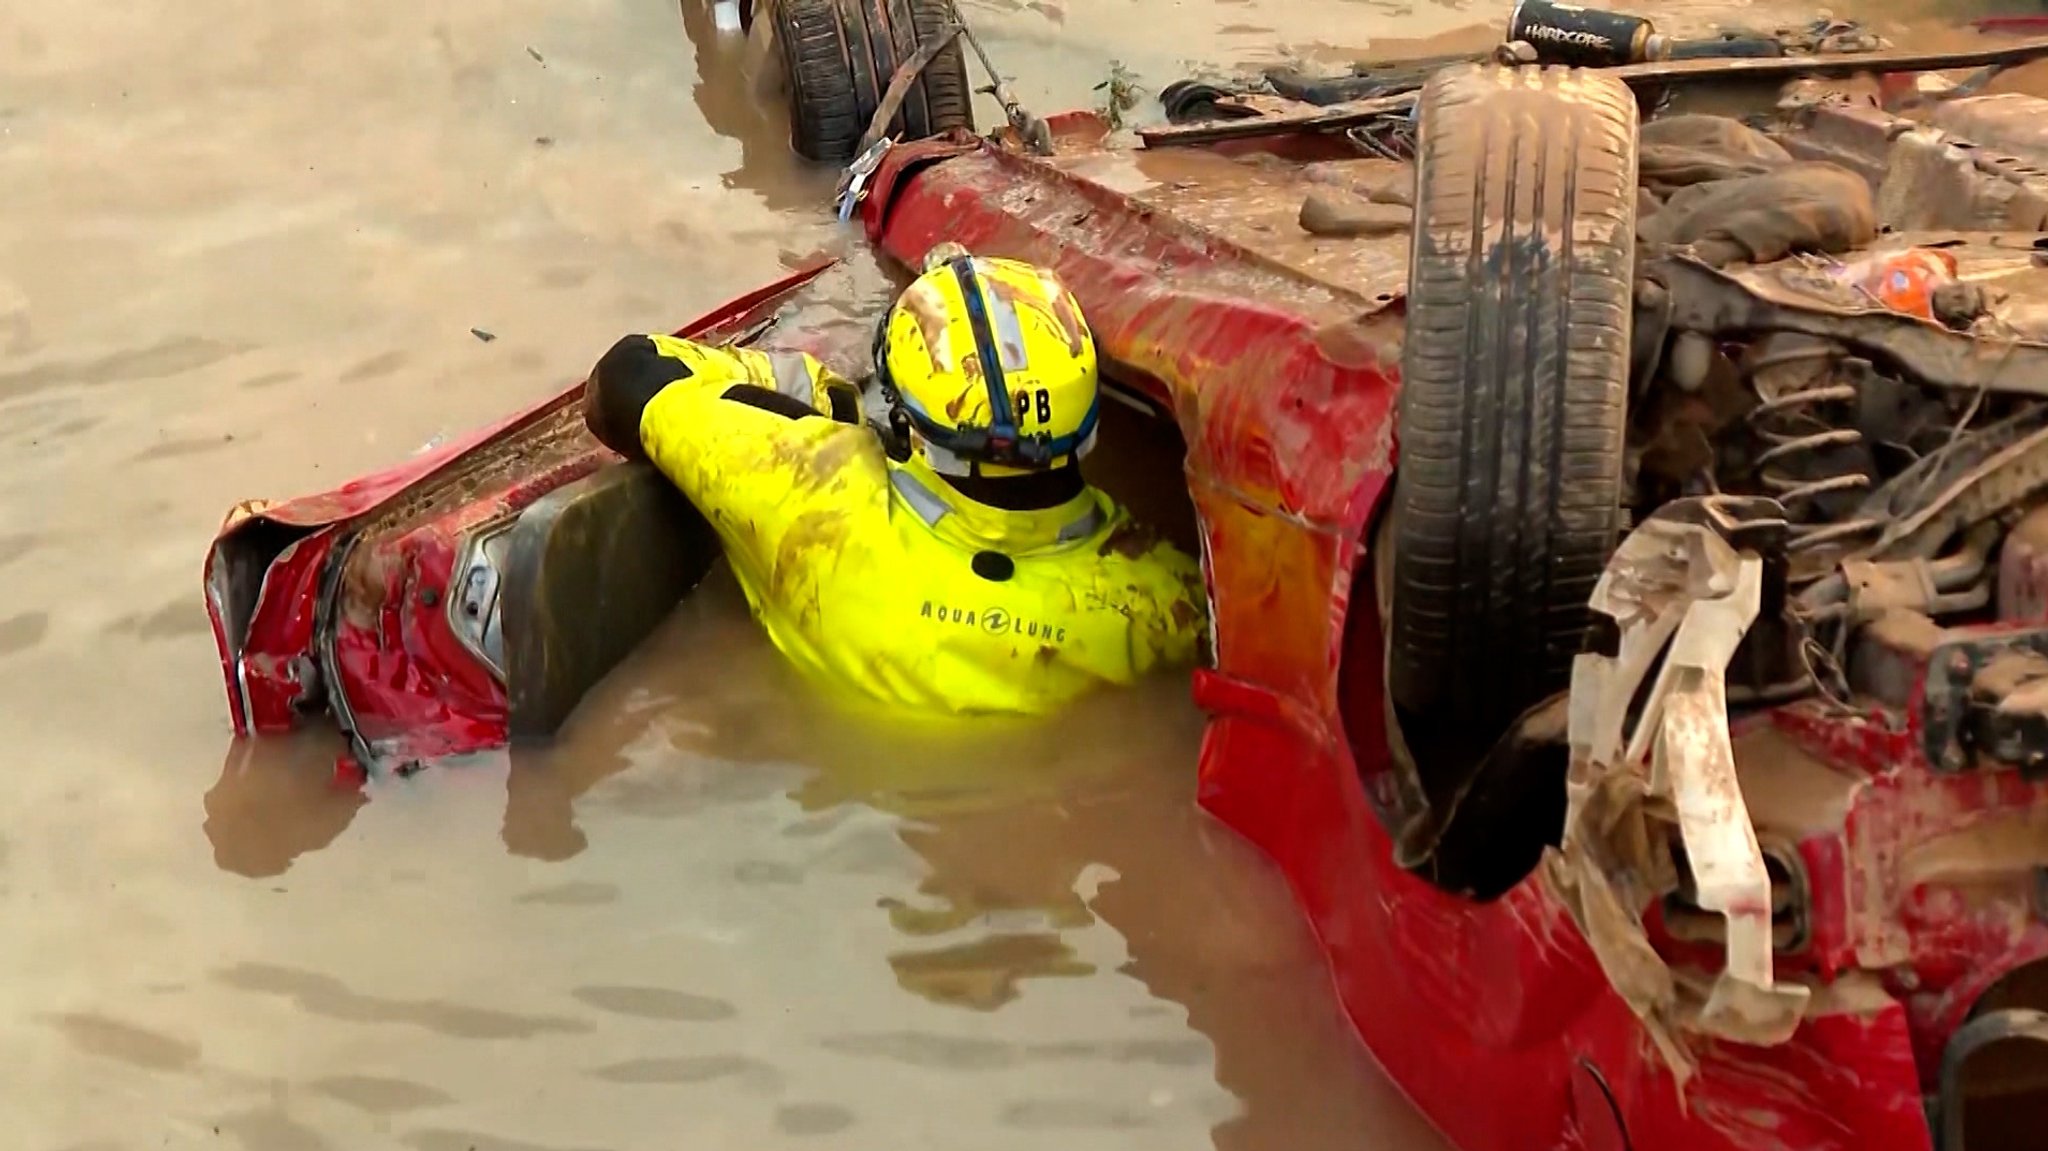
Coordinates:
x,y
959,563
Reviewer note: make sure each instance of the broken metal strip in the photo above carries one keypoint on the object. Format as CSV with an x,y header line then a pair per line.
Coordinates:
x,y
1684,587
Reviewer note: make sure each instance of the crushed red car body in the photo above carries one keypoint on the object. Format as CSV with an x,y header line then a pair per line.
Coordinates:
x,y
1905,833
378,601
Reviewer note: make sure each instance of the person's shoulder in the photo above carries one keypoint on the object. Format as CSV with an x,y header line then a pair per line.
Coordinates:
x,y
1155,585
1141,562
1124,540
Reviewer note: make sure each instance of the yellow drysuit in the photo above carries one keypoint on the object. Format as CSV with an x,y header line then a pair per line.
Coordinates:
x,y
878,575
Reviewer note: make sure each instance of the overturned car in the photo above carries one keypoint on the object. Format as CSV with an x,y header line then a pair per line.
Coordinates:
x,y
1627,542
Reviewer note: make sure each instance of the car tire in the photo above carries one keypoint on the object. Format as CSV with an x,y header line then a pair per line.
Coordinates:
x,y
1514,384
840,56
941,99
825,120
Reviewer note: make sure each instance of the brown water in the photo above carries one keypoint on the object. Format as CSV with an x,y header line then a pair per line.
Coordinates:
x,y
241,251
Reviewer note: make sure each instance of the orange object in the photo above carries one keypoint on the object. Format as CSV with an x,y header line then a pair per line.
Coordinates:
x,y
1903,281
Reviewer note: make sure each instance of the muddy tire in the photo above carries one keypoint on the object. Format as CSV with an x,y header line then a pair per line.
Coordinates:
x,y
941,100
1514,382
840,56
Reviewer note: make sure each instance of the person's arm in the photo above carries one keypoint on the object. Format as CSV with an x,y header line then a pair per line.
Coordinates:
x,y
639,367
729,431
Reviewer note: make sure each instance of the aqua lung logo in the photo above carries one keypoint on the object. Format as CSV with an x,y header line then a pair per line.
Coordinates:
x,y
994,620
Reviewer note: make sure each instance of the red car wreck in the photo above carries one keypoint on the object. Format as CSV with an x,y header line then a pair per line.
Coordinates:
x,y
1662,762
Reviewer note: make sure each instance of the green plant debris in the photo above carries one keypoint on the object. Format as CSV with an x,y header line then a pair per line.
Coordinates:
x,y
1121,94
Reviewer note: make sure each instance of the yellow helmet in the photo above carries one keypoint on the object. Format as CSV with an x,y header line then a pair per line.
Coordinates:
x,y
990,364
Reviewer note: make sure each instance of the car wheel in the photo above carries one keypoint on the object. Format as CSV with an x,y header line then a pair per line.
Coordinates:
x,y
841,55
1514,383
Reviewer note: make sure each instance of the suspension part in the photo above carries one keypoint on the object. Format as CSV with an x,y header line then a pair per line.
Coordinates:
x,y
1795,377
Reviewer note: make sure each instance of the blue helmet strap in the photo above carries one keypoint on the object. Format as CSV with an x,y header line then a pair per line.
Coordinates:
x,y
1003,421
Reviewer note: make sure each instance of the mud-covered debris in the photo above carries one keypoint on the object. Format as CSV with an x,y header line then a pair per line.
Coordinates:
x,y
1335,214
1828,36
1677,427
1959,305
1683,150
1392,191
1803,207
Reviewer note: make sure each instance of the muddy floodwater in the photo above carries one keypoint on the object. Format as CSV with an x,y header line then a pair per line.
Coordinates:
x,y
242,251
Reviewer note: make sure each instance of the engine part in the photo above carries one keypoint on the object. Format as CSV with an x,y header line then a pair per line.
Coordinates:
x,y
1863,590
1980,474
1035,134
2023,570
1986,696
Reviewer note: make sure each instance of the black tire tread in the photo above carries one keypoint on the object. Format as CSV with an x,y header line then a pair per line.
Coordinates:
x,y
840,56
1514,387
825,121
943,99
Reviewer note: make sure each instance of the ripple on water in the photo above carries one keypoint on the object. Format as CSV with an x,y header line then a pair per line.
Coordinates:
x,y
183,447
690,1069
22,631
166,358
656,1003
183,616
379,1095
984,974
126,1042
812,1118
447,1139
270,1129
327,996
14,547
375,367
572,895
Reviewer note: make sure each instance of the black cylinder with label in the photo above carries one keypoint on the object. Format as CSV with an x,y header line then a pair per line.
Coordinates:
x,y
1586,37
